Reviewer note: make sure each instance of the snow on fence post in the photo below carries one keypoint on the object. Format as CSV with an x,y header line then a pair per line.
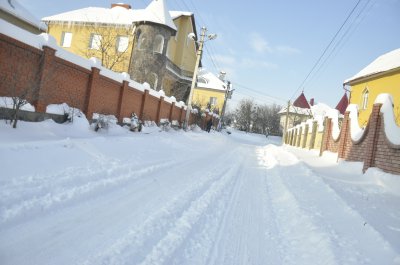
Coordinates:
x,y
45,68
372,141
93,81
344,131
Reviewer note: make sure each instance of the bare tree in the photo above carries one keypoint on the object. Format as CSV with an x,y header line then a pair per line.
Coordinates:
x,y
20,92
110,44
244,114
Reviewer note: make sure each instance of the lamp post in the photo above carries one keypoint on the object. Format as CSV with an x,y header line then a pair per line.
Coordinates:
x,y
196,69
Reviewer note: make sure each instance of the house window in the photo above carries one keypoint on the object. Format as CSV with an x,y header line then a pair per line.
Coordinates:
x,y
158,44
95,41
122,43
66,39
213,101
365,95
153,81
141,42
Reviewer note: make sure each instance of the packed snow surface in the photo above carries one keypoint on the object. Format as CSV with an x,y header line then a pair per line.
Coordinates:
x,y
69,195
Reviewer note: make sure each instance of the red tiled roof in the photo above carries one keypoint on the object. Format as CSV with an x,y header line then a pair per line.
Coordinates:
x,y
301,102
343,103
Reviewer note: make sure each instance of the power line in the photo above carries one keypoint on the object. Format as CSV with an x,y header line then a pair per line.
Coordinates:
x,y
339,44
326,49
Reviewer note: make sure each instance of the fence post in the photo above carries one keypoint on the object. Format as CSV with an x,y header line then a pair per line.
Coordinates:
x,y
171,110
160,102
325,133
344,131
93,80
183,115
374,126
299,137
313,134
303,145
122,93
144,99
45,68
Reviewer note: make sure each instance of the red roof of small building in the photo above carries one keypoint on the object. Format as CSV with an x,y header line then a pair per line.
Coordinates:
x,y
301,102
343,103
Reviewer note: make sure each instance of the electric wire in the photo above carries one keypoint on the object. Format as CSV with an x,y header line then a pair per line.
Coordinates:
x,y
326,49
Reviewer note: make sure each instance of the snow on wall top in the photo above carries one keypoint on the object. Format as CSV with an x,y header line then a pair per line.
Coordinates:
x,y
156,12
16,9
44,39
383,63
207,79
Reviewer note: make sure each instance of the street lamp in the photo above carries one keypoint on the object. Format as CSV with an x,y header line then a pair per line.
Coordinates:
x,y
196,68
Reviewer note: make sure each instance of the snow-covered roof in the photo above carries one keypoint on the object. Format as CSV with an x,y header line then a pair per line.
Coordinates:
x,y
208,80
383,63
156,12
295,110
15,9
177,14
319,109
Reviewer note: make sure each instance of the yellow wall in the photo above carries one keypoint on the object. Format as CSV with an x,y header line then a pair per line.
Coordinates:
x,y
181,50
388,83
201,96
81,38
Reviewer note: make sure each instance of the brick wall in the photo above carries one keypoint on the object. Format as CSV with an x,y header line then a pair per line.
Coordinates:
x,y
60,81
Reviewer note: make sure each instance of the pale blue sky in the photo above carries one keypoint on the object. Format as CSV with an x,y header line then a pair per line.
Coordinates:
x,y
271,46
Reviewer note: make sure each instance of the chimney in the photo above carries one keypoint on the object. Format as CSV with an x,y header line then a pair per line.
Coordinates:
x,y
312,102
127,6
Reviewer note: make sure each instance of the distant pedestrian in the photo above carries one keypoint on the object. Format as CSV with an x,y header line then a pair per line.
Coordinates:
x,y
209,124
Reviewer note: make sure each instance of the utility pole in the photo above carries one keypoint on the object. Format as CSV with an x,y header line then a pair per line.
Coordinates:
x,y
194,80
228,94
286,122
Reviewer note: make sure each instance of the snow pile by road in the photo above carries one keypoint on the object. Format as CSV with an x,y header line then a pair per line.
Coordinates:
x,y
69,195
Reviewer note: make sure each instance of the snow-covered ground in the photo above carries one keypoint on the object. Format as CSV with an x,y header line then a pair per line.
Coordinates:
x,y
69,195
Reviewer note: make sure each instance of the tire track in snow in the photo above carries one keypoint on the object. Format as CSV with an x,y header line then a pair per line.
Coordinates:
x,y
139,240
90,180
303,242
183,225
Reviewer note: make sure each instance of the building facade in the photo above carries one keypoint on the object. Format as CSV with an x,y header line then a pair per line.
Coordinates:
x,y
209,92
381,76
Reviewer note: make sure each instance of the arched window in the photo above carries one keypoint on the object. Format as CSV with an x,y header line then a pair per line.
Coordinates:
x,y
141,42
153,81
158,45
364,103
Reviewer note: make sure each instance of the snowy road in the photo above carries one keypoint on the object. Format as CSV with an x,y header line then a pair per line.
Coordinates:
x,y
177,198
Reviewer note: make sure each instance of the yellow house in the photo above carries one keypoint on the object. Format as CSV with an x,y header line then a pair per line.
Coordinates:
x,y
210,92
150,44
12,12
381,76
